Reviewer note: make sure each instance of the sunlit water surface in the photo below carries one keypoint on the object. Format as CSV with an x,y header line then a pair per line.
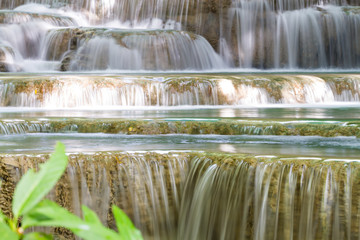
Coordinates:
x,y
275,145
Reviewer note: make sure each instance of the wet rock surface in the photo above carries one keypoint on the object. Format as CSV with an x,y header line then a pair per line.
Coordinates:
x,y
186,126
9,67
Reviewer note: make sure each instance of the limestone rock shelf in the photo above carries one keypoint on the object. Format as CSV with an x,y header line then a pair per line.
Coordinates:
x,y
214,126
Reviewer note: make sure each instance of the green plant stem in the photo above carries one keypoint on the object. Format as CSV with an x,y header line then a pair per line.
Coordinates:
x,y
13,224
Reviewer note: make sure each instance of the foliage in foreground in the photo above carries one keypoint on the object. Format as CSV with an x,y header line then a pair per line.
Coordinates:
x,y
29,206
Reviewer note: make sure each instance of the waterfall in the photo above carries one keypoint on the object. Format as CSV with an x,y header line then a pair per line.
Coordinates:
x,y
123,10
198,90
196,117
316,37
208,196
148,190
21,127
179,126
263,34
165,50
242,200
285,5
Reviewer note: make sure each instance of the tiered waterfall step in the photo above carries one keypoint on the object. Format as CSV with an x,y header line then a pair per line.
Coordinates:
x,y
275,137
74,91
200,35
87,49
206,126
179,195
198,155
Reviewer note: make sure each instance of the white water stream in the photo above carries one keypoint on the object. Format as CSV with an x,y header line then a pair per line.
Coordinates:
x,y
261,34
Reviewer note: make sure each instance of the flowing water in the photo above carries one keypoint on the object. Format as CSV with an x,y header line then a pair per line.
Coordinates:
x,y
69,91
202,119
224,35
343,147
215,196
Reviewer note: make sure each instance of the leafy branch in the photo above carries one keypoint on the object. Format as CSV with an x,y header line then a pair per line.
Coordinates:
x,y
29,206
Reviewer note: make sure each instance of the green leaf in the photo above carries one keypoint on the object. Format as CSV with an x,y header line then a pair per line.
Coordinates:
x,y
126,228
37,236
33,186
3,218
90,216
49,214
7,233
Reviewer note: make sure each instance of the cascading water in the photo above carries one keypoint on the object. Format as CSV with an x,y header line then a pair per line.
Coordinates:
x,y
210,196
149,189
207,90
125,10
313,37
241,200
202,119
251,34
